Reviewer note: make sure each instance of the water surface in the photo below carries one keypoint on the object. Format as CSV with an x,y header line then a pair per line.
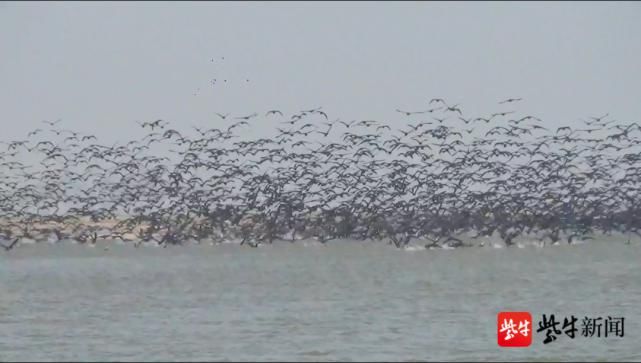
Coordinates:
x,y
345,301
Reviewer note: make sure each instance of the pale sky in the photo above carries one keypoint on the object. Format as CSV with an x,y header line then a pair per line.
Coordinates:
x,y
101,66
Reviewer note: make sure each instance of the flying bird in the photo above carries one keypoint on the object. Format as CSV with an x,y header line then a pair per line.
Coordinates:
x,y
52,123
510,100
273,112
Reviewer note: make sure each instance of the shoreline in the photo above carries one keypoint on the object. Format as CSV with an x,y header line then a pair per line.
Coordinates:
x,y
493,242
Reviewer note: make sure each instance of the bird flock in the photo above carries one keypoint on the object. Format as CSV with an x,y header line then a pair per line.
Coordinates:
x,y
433,175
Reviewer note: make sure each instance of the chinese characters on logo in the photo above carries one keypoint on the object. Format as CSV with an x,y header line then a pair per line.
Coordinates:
x,y
514,329
590,327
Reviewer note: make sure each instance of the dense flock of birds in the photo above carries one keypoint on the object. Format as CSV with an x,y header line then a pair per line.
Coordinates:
x,y
435,176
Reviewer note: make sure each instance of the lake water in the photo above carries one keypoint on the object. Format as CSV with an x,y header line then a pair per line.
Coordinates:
x,y
344,301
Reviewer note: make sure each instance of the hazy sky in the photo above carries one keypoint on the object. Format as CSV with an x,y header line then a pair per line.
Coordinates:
x,y
102,66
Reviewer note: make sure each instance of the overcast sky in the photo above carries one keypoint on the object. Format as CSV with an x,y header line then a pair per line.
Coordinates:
x,y
102,66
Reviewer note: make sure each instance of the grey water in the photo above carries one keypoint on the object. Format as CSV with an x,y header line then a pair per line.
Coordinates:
x,y
347,300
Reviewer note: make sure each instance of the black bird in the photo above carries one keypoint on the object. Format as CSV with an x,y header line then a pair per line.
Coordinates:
x,y
34,132
52,123
510,100
246,117
423,181
273,112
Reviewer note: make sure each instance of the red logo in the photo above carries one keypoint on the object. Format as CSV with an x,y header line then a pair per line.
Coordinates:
x,y
514,329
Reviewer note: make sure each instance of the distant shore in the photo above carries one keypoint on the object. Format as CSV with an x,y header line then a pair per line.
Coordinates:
x,y
43,233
